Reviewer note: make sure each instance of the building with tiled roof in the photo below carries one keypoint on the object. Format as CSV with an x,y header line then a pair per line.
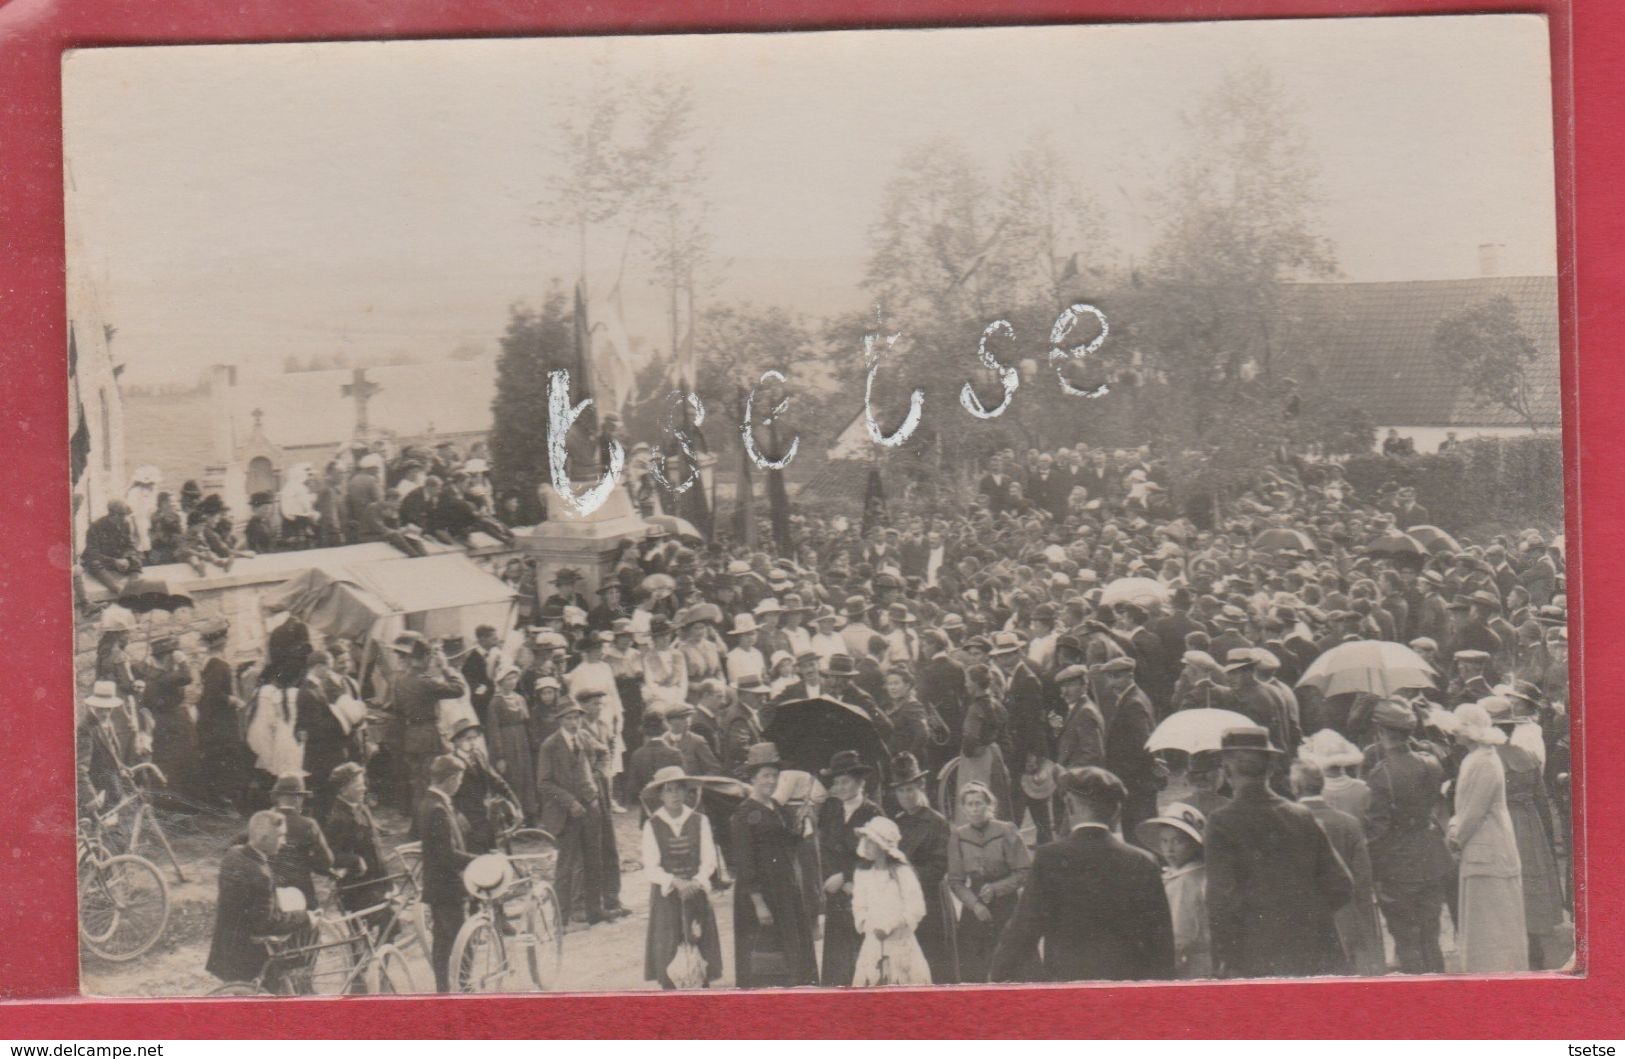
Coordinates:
x,y
1374,349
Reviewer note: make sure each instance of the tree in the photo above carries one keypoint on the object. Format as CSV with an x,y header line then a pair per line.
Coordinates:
x,y
735,344
534,343
1239,226
1047,223
1486,344
671,211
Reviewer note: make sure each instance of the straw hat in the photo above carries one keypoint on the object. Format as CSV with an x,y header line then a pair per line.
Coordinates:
x,y
1472,720
104,696
668,774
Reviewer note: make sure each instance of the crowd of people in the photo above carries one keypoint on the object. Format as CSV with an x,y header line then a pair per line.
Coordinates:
x,y
1009,691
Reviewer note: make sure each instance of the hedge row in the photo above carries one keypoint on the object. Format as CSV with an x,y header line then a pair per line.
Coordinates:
x,y
1484,481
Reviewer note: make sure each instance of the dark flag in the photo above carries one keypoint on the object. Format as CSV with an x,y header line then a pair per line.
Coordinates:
x,y
874,500
778,497
744,497
79,440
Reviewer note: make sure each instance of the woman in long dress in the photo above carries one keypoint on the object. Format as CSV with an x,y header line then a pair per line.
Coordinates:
x,y
887,906
510,739
220,724
773,930
1531,826
1491,933
679,855
987,866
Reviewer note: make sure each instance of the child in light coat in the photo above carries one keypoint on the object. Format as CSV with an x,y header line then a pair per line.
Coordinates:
x,y
1177,836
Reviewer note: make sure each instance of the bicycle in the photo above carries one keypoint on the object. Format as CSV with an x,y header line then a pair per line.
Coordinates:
x,y
514,942
407,921
340,955
144,817
123,900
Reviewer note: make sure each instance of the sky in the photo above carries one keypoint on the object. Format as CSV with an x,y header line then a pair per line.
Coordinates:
x,y
240,204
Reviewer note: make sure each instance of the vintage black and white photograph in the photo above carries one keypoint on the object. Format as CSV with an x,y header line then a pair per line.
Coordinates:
x,y
819,509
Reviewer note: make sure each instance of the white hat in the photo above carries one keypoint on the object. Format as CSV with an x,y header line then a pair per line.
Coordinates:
x,y
475,466
883,833
146,474
743,623
769,605
104,696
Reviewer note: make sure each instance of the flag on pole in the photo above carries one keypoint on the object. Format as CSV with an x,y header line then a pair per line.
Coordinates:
x,y
79,424
778,498
744,499
874,500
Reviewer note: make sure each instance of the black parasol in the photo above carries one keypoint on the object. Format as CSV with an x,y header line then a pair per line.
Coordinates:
x,y
808,732
144,595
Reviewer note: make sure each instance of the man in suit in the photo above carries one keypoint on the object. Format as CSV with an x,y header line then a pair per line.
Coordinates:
x,y
1129,721
1274,883
245,907
445,855
480,667
741,723
1083,737
1096,903
942,689
573,812
1049,488
352,834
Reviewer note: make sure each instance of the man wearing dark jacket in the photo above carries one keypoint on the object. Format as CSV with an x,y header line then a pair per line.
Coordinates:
x,y
1274,882
1129,721
444,858
1096,903
246,907
352,835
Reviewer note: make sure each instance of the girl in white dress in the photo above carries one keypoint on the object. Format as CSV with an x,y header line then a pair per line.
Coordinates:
x,y
887,905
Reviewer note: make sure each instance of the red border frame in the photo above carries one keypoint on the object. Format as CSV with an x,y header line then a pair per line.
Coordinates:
x,y
37,918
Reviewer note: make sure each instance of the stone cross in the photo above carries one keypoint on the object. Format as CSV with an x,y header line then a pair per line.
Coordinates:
x,y
360,389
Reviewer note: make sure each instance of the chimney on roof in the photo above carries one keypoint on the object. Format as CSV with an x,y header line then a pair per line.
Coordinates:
x,y
1489,259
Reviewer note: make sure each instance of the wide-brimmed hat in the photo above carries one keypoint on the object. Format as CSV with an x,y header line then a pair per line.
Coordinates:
x,y
1471,655
827,613
848,763
1248,737
905,769
753,683
409,643
568,575
1186,819
463,726
840,665
768,605
743,623
1005,643
1240,658
885,834
665,775
1473,720
1328,749
104,696
760,756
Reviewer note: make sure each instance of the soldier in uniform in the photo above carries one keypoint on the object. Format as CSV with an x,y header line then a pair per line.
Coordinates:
x,y
417,694
1408,855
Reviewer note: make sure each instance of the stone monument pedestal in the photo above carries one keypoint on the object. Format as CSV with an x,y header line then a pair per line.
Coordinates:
x,y
589,543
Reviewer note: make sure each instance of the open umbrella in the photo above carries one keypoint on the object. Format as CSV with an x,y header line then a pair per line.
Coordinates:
x,y
1434,539
1397,547
143,595
1281,539
1141,590
1194,731
682,529
1374,666
808,732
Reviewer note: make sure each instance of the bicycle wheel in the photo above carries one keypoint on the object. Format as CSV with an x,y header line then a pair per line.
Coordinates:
x,y
479,960
124,909
389,973
331,967
237,989
547,927
408,859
